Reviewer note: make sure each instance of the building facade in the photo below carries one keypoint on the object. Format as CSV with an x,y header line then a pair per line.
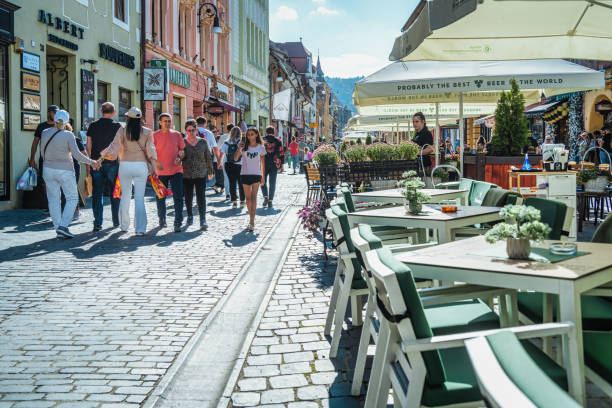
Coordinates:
x,y
179,37
76,54
250,60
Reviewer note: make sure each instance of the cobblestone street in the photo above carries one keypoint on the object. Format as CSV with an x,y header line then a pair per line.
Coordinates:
x,y
97,320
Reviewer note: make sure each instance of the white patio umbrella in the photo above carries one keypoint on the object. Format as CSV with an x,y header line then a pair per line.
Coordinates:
x,y
470,81
487,30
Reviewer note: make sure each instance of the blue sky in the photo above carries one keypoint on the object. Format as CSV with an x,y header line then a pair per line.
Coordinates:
x,y
354,37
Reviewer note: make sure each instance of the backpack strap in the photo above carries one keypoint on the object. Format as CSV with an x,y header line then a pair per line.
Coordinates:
x,y
50,139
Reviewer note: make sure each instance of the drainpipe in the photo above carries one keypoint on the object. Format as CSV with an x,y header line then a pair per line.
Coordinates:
x,y
143,28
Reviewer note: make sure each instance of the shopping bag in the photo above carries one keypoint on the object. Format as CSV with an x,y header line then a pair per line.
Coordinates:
x,y
161,190
88,186
117,189
28,180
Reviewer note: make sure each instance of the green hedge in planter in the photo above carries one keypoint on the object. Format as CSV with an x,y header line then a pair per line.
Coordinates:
x,y
381,152
407,150
325,154
357,153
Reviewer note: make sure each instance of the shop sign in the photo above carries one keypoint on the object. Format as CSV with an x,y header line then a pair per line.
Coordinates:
x,y
30,61
179,78
154,84
117,56
60,24
64,43
215,110
242,99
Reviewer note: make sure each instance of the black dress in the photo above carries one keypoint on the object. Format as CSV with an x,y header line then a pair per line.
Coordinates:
x,y
424,137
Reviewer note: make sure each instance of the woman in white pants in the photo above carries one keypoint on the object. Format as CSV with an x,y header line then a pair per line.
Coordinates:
x,y
137,159
58,147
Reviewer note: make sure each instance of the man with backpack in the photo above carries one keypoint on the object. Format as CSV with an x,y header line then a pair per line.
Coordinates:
x,y
274,161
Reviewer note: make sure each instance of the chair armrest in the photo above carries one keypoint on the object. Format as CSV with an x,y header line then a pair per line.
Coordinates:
x,y
457,340
443,295
348,256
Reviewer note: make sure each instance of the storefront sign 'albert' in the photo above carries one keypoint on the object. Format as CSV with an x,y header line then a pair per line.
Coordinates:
x,y
60,24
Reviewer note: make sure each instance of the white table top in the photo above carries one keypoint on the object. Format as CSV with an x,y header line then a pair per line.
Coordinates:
x,y
468,254
397,192
430,212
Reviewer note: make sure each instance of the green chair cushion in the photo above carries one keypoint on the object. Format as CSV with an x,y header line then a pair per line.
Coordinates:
x,y
552,213
466,184
603,233
479,191
598,353
495,197
387,229
596,310
433,363
460,317
346,232
365,231
527,375
348,198
461,385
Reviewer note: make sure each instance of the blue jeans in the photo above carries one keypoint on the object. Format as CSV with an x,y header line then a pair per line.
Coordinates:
x,y
270,180
105,177
175,183
295,161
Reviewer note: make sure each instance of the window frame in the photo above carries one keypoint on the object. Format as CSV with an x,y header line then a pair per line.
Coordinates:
x,y
129,105
123,24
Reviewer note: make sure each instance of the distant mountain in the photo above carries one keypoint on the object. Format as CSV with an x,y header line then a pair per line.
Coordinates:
x,y
343,88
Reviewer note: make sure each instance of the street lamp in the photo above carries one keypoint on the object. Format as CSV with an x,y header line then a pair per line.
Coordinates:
x,y
210,11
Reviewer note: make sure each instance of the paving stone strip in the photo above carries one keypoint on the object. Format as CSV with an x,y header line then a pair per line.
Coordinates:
x,y
98,320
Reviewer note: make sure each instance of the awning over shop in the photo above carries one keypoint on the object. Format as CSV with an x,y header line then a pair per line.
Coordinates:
x,y
476,81
217,106
541,109
491,30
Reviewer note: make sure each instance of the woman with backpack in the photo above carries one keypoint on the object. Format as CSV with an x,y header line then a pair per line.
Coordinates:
x,y
232,166
197,167
252,153
58,147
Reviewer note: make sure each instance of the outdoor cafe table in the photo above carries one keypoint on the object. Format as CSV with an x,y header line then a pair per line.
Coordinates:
x,y
395,196
431,217
475,261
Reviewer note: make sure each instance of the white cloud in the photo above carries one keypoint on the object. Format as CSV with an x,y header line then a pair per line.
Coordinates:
x,y
324,11
286,13
318,1
351,65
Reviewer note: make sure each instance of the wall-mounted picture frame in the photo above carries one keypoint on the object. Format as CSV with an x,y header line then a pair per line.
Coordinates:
x,y
29,121
30,82
30,101
30,61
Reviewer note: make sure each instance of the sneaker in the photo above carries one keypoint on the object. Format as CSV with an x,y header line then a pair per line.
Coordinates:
x,y
96,228
270,204
162,223
190,219
242,204
234,204
203,226
227,198
140,234
265,202
76,215
177,228
64,232
251,227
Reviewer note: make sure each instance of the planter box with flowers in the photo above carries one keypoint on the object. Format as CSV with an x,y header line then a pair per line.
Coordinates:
x,y
326,156
594,181
379,161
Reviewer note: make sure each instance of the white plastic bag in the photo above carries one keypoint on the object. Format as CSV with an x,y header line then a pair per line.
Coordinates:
x,y
28,180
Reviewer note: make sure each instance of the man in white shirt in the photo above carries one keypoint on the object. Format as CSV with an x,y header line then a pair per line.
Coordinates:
x,y
210,139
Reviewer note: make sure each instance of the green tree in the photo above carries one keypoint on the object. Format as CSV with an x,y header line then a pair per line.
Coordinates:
x,y
511,130
369,140
359,141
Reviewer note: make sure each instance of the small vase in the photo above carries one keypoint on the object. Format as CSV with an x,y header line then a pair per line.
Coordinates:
x,y
518,248
413,207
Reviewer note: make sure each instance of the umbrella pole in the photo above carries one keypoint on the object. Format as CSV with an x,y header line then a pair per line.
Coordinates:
x,y
461,148
437,137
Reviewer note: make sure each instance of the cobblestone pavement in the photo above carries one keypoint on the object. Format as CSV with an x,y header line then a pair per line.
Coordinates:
x,y
96,321
288,363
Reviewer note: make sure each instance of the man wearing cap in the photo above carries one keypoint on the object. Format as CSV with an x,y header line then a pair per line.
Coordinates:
x,y
57,148
38,133
170,148
100,134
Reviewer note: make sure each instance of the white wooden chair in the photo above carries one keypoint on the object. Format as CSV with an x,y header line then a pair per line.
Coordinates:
x,y
427,370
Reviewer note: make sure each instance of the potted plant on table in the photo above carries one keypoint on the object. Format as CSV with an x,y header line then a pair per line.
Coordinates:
x,y
414,199
521,226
